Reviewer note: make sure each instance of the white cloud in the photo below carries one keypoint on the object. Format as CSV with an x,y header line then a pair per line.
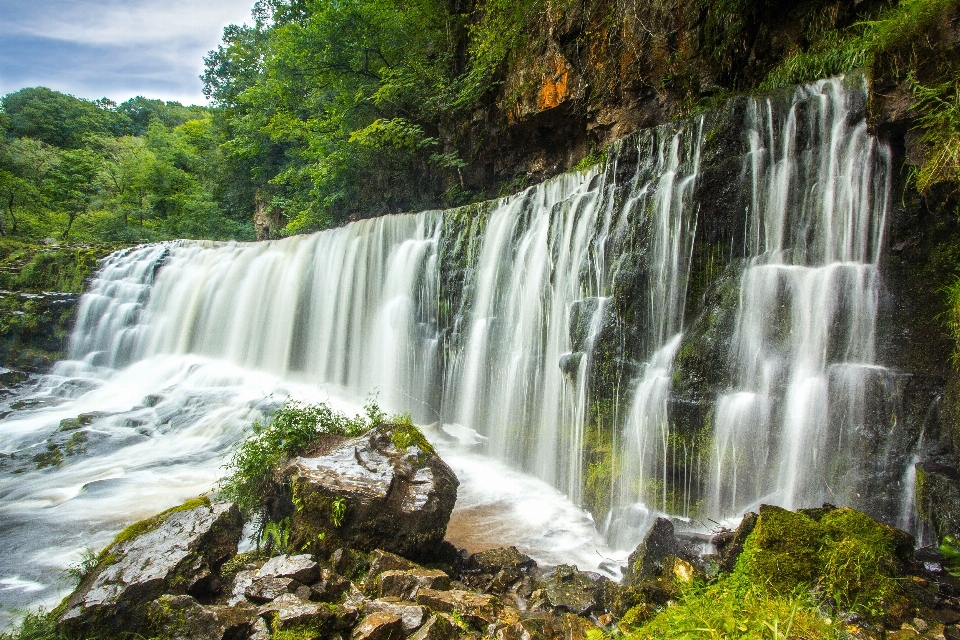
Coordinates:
x,y
113,48
130,22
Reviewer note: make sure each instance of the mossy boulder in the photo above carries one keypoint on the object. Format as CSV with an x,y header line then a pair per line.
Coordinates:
x,y
846,555
387,489
177,552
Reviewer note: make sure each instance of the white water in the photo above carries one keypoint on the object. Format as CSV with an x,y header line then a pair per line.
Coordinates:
x,y
804,341
181,346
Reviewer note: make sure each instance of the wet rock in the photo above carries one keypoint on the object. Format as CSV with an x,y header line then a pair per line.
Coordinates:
x,y
493,560
301,568
571,590
477,609
329,588
183,617
241,582
390,489
381,625
647,559
380,561
405,584
290,611
177,552
348,562
411,614
730,544
437,628
263,590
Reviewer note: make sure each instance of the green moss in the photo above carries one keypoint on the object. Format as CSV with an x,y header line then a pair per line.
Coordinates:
x,y
854,561
147,525
597,156
404,434
52,457
736,607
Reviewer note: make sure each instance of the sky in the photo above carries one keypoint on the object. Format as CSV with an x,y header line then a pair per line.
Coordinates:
x,y
113,48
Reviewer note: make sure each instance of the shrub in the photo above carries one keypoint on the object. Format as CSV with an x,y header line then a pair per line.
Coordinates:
x,y
291,432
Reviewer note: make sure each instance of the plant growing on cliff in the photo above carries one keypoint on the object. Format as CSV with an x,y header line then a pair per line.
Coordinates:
x,y
938,120
36,625
834,52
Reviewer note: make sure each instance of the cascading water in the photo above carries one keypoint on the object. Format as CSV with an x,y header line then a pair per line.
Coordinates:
x,y
804,341
542,339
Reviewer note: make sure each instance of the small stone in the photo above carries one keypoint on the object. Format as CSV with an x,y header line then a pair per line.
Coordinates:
x,y
381,625
241,582
301,568
478,609
920,625
605,619
412,614
263,590
404,584
260,630
303,592
288,610
493,560
329,588
437,628
570,589
381,561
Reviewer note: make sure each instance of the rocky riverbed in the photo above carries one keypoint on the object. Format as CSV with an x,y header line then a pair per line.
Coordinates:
x,y
324,572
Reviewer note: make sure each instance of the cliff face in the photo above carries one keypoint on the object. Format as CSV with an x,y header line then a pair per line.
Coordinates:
x,y
592,72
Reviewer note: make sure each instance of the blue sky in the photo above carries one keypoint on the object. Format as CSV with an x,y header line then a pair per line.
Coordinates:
x,y
113,48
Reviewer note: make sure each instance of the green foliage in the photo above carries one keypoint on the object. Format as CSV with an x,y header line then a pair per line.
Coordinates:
x,y
950,549
853,560
403,434
292,431
276,536
735,607
338,509
80,569
596,157
95,171
36,625
836,52
938,119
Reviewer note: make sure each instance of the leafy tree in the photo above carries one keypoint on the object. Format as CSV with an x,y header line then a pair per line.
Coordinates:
x,y
56,118
71,184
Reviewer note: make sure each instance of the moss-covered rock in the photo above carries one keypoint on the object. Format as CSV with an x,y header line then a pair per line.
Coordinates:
x,y
852,559
178,552
385,490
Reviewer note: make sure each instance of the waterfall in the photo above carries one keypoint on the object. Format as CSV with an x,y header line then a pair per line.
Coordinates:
x,y
544,340
804,341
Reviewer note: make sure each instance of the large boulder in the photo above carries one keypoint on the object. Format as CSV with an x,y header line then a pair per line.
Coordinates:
x,y
387,489
178,552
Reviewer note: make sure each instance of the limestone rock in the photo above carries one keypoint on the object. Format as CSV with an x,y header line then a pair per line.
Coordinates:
x,y
300,568
405,584
571,590
241,582
647,559
263,590
479,610
437,628
493,560
290,611
177,552
395,492
411,614
381,561
330,587
348,562
381,625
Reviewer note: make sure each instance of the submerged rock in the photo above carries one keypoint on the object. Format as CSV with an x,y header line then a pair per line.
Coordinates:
x,y
178,552
387,489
